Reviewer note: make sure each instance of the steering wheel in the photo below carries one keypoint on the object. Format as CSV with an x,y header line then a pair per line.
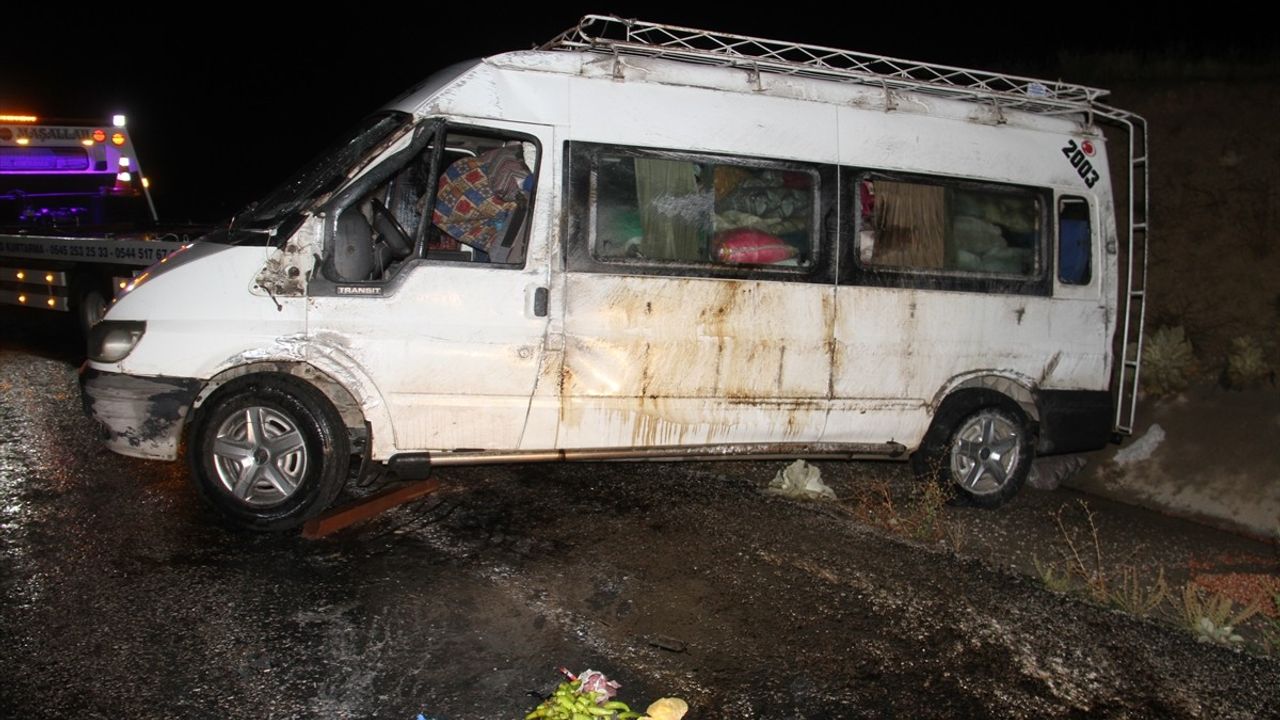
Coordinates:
x,y
390,229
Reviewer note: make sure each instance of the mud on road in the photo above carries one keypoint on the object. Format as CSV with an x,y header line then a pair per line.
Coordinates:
x,y
121,597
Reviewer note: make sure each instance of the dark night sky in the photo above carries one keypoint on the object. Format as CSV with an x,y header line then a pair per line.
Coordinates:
x,y
222,109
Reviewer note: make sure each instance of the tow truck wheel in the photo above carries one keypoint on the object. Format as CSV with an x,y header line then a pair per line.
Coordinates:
x,y
269,452
92,307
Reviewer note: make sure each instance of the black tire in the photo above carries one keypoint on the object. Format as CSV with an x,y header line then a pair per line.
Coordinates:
x,y
268,452
980,445
90,307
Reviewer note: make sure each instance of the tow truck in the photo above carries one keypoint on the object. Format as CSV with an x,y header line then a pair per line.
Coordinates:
x,y
77,220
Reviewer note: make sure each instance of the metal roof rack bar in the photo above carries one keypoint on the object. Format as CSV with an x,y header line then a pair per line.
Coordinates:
x,y
619,36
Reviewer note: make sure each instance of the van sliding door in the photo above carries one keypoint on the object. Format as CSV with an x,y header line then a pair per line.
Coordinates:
x,y
698,299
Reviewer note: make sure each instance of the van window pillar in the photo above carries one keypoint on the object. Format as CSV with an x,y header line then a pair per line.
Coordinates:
x,y
437,158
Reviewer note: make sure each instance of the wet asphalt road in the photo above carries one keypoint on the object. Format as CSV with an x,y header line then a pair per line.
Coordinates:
x,y
120,597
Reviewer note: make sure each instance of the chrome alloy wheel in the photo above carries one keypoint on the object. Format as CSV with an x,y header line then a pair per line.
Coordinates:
x,y
260,456
984,452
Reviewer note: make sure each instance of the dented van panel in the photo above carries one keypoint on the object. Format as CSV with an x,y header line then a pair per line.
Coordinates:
x,y
202,311
286,270
139,417
657,360
320,358
1061,344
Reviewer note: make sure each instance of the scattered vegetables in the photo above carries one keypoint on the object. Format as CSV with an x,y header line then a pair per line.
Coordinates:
x,y
589,696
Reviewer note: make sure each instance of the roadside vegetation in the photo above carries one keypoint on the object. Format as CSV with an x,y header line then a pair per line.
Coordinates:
x,y
1240,610
1233,609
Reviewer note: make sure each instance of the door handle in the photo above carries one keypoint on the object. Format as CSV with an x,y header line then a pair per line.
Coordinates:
x,y
540,297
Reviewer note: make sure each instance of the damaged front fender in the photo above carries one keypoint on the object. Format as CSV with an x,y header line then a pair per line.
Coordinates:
x,y
141,417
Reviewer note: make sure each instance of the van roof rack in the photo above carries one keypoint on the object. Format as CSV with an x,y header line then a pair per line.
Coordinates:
x,y
617,36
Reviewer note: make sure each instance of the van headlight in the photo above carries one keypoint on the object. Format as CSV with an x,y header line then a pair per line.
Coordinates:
x,y
112,340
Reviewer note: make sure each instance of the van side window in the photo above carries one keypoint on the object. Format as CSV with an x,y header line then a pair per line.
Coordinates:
x,y
466,199
948,226
1075,246
668,208
481,202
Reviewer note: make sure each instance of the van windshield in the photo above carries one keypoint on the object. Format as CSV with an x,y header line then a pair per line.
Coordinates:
x,y
326,172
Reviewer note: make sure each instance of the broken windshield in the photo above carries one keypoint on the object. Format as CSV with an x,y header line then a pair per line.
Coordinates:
x,y
326,172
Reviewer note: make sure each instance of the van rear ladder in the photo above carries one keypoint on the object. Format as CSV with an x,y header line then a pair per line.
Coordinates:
x,y
1133,304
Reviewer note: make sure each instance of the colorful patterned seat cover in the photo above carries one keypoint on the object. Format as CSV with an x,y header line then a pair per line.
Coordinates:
x,y
480,196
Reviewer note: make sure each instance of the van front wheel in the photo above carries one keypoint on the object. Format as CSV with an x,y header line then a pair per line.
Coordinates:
x,y
269,452
984,454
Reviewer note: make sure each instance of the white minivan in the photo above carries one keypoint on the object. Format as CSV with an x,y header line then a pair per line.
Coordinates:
x,y
647,241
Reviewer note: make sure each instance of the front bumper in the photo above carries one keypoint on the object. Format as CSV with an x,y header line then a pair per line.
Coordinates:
x,y
140,416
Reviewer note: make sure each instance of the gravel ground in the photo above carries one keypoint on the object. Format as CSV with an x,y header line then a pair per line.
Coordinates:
x,y
121,597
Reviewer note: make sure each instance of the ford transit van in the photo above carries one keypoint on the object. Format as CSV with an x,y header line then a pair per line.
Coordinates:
x,y
642,241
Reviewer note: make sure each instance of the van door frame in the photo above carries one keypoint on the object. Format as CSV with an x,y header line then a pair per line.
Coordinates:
x,y
463,385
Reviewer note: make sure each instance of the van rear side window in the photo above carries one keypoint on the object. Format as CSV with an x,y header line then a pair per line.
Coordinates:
x,y
664,208
948,226
1074,241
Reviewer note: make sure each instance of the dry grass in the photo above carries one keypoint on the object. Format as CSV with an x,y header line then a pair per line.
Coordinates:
x,y
1271,628
1083,557
1053,576
1209,615
1119,585
1213,617
917,515
1130,595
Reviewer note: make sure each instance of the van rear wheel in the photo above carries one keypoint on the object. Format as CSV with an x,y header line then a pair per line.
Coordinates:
x,y
269,452
984,453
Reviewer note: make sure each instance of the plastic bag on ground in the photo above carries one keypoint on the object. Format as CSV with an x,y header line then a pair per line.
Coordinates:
x,y
801,480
